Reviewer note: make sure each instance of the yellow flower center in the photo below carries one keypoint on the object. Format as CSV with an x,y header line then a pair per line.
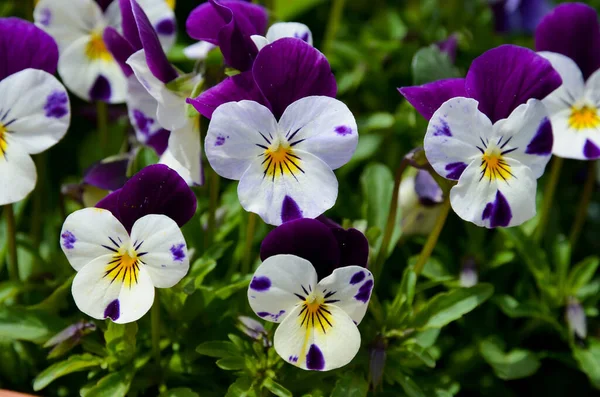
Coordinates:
x,y
279,160
315,314
171,4
493,165
2,140
584,117
96,49
124,267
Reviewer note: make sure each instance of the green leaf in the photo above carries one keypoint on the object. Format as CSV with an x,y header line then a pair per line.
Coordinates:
x,y
430,64
516,364
450,306
180,392
276,388
512,308
410,387
121,341
582,273
17,323
589,361
402,305
232,363
218,349
227,291
287,10
242,387
75,363
350,385
115,384
9,289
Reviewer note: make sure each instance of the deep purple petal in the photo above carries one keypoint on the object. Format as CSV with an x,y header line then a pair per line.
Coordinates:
x,y
104,4
427,98
502,21
532,12
572,29
159,141
111,203
156,189
120,49
427,189
108,175
353,246
155,56
306,238
130,29
23,45
290,69
232,89
449,46
507,76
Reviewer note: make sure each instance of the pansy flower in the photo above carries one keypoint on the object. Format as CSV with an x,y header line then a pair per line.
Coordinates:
x,y
121,255
320,241
229,24
490,133
319,319
283,29
34,106
86,66
419,200
569,37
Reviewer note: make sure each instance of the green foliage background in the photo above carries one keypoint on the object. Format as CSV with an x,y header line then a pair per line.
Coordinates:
x,y
507,336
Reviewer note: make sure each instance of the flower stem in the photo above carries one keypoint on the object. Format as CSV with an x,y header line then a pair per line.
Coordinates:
x,y
335,18
548,197
433,236
247,258
213,202
155,324
11,233
102,124
582,209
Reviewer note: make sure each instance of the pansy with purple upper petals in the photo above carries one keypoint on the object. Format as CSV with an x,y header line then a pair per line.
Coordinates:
x,y
569,37
319,319
35,110
283,29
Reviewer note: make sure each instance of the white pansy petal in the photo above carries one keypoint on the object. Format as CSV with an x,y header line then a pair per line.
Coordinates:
x,y
582,144
141,107
100,294
322,126
348,288
162,17
259,41
592,89
279,284
302,186
35,109
112,15
238,133
526,135
455,131
329,344
171,111
572,87
161,247
198,51
92,74
184,144
289,29
495,202
170,161
91,233
68,20
17,171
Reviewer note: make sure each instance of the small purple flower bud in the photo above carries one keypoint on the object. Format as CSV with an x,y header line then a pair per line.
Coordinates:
x,y
576,318
449,46
76,330
427,189
468,274
253,329
377,356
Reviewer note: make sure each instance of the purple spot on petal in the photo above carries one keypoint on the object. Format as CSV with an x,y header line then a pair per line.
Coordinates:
x,y
303,36
113,310
293,359
263,314
68,239
290,210
101,90
177,252
142,122
220,140
364,292
165,27
261,283
56,105
315,359
541,144
357,277
455,170
343,130
498,211
46,16
442,129
590,150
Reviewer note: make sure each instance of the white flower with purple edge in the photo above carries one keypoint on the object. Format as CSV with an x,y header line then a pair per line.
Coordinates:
x,y
319,319
283,29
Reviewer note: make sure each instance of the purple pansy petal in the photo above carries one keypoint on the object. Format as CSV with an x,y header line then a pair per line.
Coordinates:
x,y
120,49
129,26
507,76
290,69
23,45
306,238
427,189
232,89
449,46
353,246
156,189
532,12
520,15
572,30
155,56
108,175
427,98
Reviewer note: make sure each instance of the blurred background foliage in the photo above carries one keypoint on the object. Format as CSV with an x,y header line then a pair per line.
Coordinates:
x,y
514,341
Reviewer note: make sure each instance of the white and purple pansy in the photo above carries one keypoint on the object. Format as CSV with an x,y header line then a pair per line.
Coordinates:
x,y
569,37
319,319
35,110
283,29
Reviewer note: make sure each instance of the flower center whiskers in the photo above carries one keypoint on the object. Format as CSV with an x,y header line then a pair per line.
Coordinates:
x,y
96,49
583,117
315,314
493,166
125,263
280,159
2,140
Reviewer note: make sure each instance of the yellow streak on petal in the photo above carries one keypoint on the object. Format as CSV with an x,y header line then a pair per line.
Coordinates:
x,y
584,117
315,316
96,48
3,143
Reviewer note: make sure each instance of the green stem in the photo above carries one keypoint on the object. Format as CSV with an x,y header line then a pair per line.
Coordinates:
x,y
11,233
548,197
433,236
582,209
213,203
250,228
38,200
102,123
155,324
335,18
